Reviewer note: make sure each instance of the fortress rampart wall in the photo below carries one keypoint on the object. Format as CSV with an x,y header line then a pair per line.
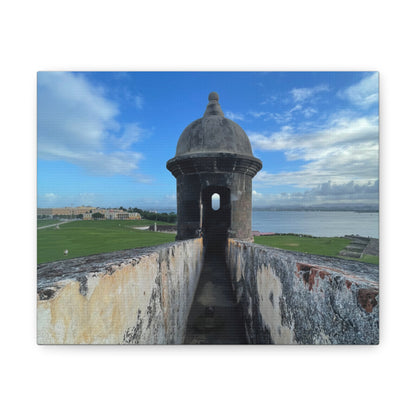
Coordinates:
x,y
296,298
140,296
144,296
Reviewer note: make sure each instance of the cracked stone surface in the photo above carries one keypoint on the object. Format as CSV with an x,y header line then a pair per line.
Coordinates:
x,y
296,298
140,296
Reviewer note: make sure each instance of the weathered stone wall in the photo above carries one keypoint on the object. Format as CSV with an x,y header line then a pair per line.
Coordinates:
x,y
140,296
190,186
296,298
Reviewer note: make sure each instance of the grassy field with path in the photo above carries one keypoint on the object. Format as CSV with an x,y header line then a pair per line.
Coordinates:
x,y
83,238
324,246
43,223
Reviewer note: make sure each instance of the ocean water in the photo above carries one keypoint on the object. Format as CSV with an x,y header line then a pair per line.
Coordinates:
x,y
317,223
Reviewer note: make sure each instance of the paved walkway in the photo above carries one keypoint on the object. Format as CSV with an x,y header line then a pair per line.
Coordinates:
x,y
215,317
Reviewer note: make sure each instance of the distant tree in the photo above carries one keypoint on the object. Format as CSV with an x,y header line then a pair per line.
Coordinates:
x,y
97,215
170,217
80,216
164,217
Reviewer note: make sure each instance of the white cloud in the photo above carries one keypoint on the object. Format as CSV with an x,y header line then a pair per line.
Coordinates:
x,y
301,95
50,197
309,112
297,107
339,131
257,114
350,189
276,141
364,93
346,150
325,193
234,116
269,100
282,117
132,133
77,124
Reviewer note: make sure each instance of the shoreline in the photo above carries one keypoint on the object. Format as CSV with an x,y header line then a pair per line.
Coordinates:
x,y
350,236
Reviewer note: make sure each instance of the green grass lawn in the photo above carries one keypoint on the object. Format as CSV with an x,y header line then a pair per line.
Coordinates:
x,y
83,238
325,246
366,259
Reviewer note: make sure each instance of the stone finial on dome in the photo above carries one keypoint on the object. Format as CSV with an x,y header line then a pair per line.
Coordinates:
x,y
213,107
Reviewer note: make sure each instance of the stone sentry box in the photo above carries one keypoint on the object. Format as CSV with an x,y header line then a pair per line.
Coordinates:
x,y
214,156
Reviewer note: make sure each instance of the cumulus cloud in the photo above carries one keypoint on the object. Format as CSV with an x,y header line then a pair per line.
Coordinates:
x,y
348,190
345,151
324,193
77,124
276,141
364,93
349,141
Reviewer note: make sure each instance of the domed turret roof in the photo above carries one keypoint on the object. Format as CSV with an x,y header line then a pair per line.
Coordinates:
x,y
213,133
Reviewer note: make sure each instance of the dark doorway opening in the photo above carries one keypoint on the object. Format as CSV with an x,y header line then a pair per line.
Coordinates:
x,y
216,217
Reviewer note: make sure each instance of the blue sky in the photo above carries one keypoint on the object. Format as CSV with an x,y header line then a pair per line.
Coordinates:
x,y
104,137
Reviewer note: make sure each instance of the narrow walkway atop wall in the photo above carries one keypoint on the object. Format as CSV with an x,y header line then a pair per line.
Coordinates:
x,y
215,317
